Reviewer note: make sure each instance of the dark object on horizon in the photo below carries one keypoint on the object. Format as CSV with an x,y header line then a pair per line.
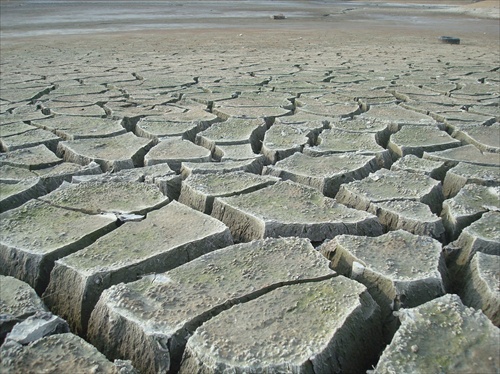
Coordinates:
x,y
278,16
449,40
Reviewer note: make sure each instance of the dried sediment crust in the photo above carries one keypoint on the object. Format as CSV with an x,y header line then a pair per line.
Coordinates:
x,y
74,127
385,185
409,215
291,209
282,140
413,164
482,137
156,244
17,302
396,116
416,140
235,153
442,333
464,173
29,139
466,153
480,236
114,153
174,151
400,270
320,327
53,233
59,353
185,124
325,173
468,206
482,290
341,141
199,190
13,195
148,321
251,166
32,158
114,196
234,131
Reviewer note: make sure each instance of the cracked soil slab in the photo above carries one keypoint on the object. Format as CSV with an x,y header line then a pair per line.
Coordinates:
x,y
291,209
154,245
192,293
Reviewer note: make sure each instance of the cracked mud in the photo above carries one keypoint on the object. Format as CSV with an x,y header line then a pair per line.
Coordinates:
x,y
245,193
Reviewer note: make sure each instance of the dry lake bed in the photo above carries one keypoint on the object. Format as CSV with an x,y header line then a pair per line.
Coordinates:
x,y
249,187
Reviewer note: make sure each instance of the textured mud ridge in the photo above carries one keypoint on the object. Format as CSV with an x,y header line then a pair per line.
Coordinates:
x,y
212,201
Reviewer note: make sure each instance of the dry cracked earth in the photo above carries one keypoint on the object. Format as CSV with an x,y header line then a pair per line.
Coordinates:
x,y
250,203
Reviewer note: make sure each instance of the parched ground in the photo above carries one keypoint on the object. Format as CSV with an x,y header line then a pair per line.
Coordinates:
x,y
247,194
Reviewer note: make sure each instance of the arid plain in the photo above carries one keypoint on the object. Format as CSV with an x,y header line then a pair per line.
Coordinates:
x,y
249,187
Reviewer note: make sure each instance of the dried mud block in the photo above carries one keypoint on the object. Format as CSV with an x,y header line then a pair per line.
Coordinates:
x,y
199,190
485,138
60,353
327,108
36,327
36,234
25,93
467,153
114,153
309,120
234,131
32,158
253,105
444,334
340,141
330,326
481,236
14,174
251,166
482,289
186,124
313,122
74,127
396,116
312,125
283,140
66,109
381,129
11,127
29,139
325,173
385,185
263,112
115,196
416,140
175,151
409,215
291,209
53,177
468,206
164,178
486,108
413,164
157,244
400,270
17,117
149,321
464,173
15,194
167,181
454,120
239,152
18,301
